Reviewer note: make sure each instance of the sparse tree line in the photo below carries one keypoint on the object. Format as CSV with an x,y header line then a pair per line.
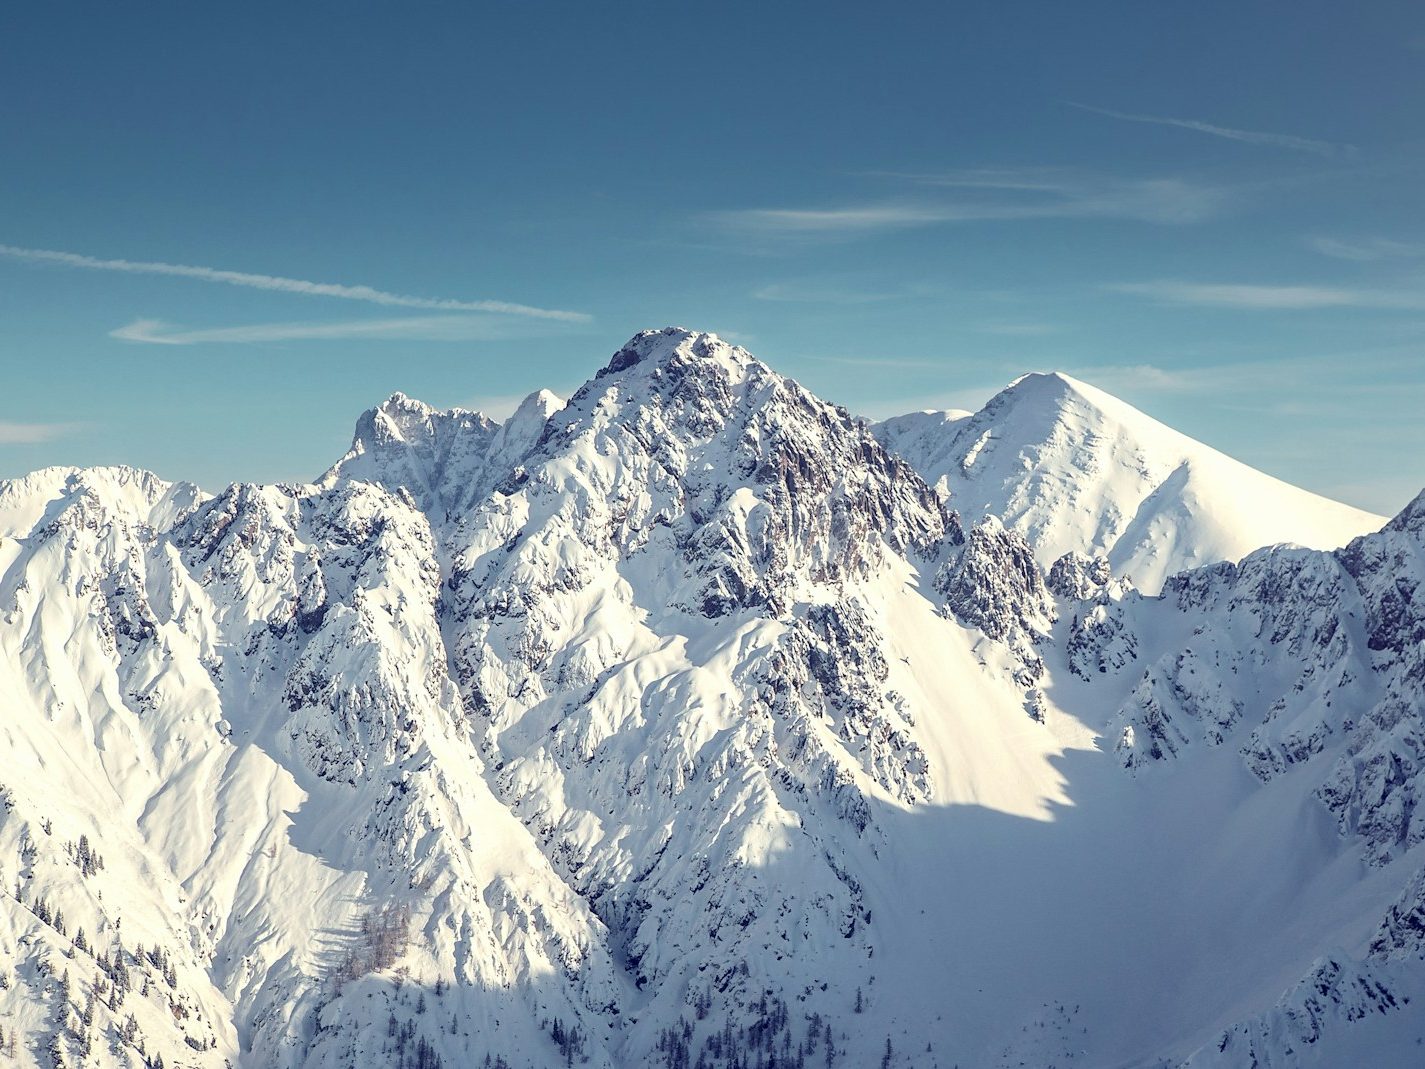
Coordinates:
x,y
766,1041
385,933
74,1023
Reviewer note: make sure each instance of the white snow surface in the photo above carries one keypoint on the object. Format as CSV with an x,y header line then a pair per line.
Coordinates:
x,y
685,724
1074,469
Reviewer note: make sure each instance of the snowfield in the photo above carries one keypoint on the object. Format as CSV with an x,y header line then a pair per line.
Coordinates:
x,y
696,722
1074,469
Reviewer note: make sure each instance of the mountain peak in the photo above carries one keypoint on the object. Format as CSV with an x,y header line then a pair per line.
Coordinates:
x,y
1056,389
406,443
541,403
1047,380
405,418
660,347
134,493
1073,468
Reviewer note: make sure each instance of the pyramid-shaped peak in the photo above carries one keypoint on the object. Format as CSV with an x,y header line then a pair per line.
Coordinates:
x,y
1055,380
1054,385
1053,397
539,405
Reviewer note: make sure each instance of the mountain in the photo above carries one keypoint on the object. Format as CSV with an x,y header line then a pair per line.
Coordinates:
x,y
685,724
1074,469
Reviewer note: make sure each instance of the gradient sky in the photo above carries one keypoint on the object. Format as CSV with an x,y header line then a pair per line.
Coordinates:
x,y
227,229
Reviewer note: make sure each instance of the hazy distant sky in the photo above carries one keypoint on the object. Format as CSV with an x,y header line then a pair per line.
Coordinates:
x,y
227,229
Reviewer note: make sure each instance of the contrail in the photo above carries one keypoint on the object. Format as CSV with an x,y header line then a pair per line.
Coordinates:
x,y
1251,137
285,285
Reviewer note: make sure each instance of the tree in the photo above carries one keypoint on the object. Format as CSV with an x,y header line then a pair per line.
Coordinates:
x,y
886,1057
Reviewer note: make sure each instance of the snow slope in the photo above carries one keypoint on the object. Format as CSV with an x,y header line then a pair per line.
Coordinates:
x,y
684,724
1075,469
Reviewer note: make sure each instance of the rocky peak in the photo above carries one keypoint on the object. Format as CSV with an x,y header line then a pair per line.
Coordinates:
x,y
404,421
654,348
434,455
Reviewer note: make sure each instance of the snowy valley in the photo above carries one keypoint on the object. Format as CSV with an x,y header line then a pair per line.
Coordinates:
x,y
695,722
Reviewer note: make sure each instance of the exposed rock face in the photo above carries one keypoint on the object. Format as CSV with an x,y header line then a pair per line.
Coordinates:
x,y
1324,650
679,724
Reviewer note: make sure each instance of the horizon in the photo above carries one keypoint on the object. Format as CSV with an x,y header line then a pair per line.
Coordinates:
x,y
1210,214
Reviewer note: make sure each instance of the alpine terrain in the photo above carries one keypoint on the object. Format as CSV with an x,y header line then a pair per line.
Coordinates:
x,y
694,722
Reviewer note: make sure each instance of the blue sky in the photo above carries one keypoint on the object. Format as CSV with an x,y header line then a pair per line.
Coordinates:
x,y
226,231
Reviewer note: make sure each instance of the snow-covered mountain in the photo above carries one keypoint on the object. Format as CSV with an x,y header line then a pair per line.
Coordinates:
x,y
1073,469
686,724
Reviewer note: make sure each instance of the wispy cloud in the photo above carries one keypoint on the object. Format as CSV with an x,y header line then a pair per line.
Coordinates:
x,y
1366,249
278,283
12,433
1238,295
1251,137
850,219
988,196
409,328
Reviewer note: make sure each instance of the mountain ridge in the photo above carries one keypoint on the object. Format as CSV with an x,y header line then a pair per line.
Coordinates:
x,y
685,723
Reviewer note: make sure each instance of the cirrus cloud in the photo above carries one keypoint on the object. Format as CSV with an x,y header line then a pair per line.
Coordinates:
x,y
1251,137
1259,297
16,433
281,284
1363,250
990,195
405,328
